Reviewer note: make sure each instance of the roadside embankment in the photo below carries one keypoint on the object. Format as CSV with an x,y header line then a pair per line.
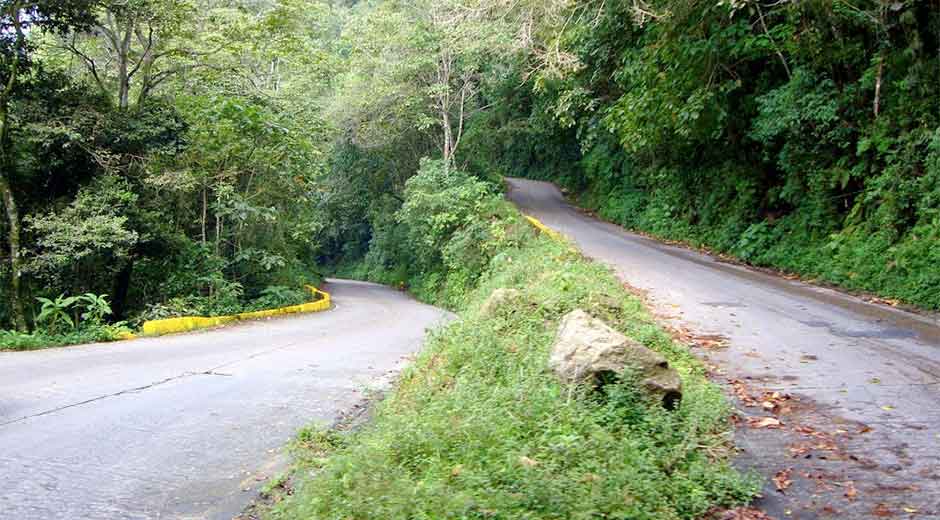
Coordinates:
x,y
480,427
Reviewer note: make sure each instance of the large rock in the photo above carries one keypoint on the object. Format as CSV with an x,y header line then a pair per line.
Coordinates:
x,y
588,351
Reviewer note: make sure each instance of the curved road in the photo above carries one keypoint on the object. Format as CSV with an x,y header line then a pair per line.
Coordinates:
x,y
861,436
188,426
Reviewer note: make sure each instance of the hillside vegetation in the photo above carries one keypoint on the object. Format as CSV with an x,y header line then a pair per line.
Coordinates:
x,y
799,135
478,427
204,157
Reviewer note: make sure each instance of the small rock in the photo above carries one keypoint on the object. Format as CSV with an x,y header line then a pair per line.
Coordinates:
x,y
587,350
498,298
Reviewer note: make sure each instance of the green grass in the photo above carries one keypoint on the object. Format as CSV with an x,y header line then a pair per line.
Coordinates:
x,y
478,428
12,340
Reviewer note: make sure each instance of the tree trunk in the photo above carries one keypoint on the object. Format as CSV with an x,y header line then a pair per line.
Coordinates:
x,y
443,101
6,168
205,204
124,79
13,222
122,286
881,68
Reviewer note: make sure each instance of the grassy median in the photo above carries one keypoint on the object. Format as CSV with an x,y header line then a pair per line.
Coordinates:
x,y
479,428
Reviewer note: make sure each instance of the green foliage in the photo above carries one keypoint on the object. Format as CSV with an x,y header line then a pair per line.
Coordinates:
x,y
39,339
226,298
54,314
91,231
478,428
96,307
274,296
794,135
182,168
443,235
59,323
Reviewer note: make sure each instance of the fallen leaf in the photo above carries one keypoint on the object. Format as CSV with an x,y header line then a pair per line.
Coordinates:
x,y
799,450
850,491
782,479
887,408
909,509
740,513
881,510
590,477
764,422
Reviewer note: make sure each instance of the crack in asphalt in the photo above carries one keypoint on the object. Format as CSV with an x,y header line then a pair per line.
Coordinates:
x,y
107,396
210,372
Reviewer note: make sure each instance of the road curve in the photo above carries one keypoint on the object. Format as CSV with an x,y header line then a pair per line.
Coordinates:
x,y
866,376
186,426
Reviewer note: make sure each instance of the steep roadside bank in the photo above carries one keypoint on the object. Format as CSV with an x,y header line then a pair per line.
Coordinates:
x,y
479,427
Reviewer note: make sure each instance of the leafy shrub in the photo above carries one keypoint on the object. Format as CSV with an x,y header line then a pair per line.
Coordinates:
x,y
172,308
755,241
96,307
442,238
225,302
91,333
54,313
438,202
274,296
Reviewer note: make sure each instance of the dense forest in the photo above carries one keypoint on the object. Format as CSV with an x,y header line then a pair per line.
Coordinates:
x,y
175,157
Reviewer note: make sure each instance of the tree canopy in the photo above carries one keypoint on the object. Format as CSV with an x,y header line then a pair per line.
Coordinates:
x,y
184,156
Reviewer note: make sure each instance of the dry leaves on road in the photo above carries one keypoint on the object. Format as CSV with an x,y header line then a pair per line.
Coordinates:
x,y
782,479
776,402
850,491
740,513
764,422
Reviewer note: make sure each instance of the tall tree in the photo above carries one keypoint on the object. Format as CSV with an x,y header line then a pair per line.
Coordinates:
x,y
17,17
135,46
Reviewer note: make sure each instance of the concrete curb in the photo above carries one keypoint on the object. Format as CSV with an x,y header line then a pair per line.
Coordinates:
x,y
189,323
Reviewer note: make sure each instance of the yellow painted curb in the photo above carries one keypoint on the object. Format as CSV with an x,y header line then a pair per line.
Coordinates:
x,y
543,228
188,323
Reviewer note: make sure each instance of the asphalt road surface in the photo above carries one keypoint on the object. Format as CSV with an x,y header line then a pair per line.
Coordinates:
x,y
188,426
861,434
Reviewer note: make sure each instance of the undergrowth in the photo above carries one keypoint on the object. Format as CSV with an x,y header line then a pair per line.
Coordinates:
x,y
13,340
477,427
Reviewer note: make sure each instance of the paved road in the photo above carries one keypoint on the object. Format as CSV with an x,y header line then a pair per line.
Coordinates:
x,y
179,426
867,377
